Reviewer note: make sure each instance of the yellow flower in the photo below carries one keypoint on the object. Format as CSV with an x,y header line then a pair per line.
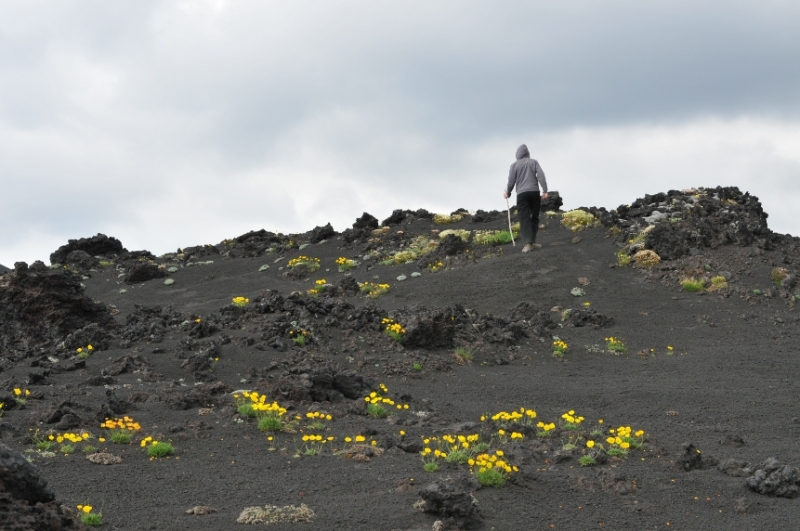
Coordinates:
x,y
402,432
610,440
79,350
17,391
348,440
101,439
590,444
87,509
90,347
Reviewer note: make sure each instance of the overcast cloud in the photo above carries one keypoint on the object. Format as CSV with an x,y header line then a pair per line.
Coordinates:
x,y
169,124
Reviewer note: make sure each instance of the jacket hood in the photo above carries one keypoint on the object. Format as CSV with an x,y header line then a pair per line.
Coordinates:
x,y
522,152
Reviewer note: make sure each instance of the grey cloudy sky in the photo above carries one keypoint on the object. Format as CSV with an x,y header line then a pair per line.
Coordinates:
x,y
169,124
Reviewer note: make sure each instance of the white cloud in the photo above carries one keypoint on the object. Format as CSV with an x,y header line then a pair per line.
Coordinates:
x,y
170,124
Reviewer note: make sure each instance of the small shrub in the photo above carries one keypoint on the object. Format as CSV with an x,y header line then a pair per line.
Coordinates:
x,y
778,274
376,410
246,410
461,233
587,460
646,258
430,466
492,237
89,517
615,344
692,285
311,263
577,220
417,367
419,247
718,283
623,258
443,219
463,355
270,424
156,449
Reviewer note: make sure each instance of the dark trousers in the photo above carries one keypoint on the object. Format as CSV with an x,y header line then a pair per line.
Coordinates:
x,y
528,205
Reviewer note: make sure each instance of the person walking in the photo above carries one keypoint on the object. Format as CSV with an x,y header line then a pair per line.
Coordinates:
x,y
527,176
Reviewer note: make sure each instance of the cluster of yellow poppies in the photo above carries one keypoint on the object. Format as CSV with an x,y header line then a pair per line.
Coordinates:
x,y
393,329
240,302
524,416
311,263
345,264
84,353
559,347
571,420
373,290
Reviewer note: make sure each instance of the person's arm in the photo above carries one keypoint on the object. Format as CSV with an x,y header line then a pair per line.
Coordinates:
x,y
542,180
512,179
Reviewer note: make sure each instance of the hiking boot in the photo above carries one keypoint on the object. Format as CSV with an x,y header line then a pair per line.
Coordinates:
x,y
528,248
536,245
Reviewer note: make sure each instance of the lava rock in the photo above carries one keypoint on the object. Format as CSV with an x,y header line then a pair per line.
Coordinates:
x,y
772,478
735,468
426,328
348,286
99,245
452,498
91,334
318,234
144,272
40,308
553,203
692,459
21,479
82,260
361,228
587,317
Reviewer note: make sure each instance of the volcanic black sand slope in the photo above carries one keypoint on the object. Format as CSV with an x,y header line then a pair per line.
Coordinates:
x,y
639,371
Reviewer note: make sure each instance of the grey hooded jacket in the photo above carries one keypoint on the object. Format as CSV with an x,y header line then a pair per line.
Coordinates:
x,y
526,174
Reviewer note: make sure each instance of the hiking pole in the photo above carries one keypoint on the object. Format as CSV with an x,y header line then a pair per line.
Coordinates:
x,y
511,232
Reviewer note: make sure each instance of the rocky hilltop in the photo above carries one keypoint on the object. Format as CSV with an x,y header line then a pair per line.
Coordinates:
x,y
637,368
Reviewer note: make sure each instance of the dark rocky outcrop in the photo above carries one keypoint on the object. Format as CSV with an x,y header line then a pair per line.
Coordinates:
x,y
429,329
26,501
772,478
99,245
693,459
317,234
452,499
361,228
553,203
143,272
687,221
42,307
